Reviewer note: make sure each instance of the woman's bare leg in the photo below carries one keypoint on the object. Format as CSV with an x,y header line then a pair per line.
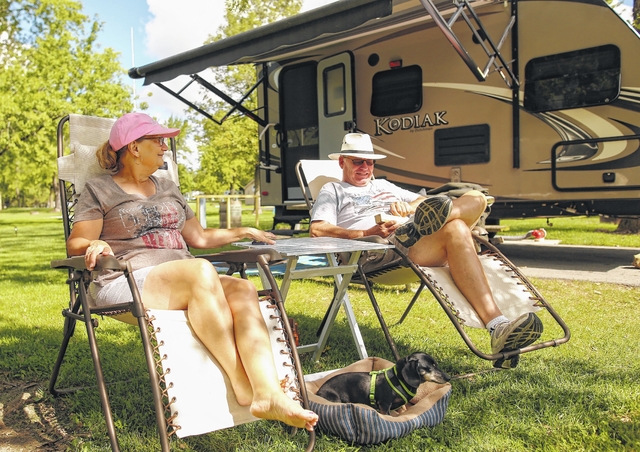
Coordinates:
x,y
193,285
252,339
224,314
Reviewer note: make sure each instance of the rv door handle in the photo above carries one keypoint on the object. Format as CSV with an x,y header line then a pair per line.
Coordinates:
x,y
275,168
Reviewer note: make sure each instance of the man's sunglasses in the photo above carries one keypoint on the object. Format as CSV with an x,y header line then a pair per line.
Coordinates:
x,y
359,162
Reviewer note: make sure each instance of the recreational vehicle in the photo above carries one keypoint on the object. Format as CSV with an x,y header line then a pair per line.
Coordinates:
x,y
536,100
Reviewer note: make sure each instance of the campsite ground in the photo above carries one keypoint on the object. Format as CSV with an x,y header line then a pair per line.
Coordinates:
x,y
582,395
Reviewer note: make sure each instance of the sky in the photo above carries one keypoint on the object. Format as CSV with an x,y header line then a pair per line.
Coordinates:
x,y
144,31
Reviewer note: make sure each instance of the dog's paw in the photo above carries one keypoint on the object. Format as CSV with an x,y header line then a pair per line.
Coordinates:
x,y
398,411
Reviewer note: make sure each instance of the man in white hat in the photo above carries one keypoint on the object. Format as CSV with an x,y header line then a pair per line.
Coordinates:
x,y
432,232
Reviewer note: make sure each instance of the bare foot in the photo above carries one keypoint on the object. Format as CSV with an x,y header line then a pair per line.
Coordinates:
x,y
279,407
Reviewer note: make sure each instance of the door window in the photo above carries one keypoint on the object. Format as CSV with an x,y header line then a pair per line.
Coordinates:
x,y
333,81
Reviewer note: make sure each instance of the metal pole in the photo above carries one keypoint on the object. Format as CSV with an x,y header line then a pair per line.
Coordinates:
x,y
202,211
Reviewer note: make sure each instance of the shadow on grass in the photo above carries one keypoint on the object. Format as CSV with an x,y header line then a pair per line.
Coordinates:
x,y
28,356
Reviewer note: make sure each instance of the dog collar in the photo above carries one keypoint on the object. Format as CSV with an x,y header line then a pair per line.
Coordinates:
x,y
394,381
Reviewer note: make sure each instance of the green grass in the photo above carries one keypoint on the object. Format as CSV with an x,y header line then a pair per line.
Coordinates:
x,y
574,231
580,396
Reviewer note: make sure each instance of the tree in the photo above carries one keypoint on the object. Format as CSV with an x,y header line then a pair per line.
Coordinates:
x,y
229,153
185,174
51,68
629,226
635,11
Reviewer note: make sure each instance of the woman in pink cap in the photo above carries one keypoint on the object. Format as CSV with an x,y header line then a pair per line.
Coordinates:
x,y
136,216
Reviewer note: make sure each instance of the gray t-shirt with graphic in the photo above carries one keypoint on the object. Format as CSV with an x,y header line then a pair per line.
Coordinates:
x,y
145,231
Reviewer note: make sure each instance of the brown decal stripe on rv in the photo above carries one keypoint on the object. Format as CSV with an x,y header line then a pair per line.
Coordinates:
x,y
629,161
419,176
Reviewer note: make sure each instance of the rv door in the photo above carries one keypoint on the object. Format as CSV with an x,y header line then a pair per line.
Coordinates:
x,y
299,124
316,110
335,101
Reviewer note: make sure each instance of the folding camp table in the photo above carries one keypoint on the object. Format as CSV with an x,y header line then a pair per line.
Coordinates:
x,y
292,249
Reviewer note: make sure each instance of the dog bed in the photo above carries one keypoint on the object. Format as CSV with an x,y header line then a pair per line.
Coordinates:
x,y
358,423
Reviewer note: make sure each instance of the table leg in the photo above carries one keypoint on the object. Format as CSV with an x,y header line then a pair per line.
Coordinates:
x,y
341,298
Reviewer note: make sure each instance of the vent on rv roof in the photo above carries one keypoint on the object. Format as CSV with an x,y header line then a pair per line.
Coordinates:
x,y
462,145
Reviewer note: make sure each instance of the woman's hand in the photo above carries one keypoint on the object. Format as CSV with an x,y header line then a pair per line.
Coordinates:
x,y
96,248
261,236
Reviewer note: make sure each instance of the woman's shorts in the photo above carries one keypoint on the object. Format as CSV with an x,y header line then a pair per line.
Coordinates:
x,y
118,291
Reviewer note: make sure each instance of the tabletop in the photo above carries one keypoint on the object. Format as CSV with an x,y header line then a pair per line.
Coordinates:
x,y
304,246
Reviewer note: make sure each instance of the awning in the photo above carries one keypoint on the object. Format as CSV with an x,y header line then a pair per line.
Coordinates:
x,y
253,46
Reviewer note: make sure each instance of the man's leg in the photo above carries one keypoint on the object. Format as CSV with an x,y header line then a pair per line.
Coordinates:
x,y
454,244
435,212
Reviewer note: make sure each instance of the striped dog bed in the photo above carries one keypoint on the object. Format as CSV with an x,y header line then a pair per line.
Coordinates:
x,y
358,423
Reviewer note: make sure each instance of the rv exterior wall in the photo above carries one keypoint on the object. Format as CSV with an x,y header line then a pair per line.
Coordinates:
x,y
463,128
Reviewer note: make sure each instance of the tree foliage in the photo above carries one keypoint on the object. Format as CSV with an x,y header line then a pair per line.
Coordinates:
x,y
186,176
51,67
229,153
635,11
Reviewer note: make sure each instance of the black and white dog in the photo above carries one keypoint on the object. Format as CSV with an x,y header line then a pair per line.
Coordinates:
x,y
386,389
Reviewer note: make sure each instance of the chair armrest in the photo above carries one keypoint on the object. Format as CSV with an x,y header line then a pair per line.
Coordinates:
x,y
77,263
244,256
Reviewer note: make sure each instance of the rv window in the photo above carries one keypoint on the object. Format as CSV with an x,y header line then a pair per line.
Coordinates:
x,y
581,78
397,91
334,90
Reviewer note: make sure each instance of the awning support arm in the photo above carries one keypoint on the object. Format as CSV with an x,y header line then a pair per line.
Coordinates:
x,y
187,102
493,52
236,106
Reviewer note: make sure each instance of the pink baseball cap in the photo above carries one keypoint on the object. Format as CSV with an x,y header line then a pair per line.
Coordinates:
x,y
132,126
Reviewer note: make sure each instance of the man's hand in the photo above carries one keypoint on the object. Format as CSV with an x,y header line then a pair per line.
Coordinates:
x,y
384,230
401,209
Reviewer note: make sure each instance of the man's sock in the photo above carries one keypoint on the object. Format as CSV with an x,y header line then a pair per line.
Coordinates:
x,y
495,322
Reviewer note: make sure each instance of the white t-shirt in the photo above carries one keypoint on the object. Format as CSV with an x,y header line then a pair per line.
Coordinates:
x,y
351,207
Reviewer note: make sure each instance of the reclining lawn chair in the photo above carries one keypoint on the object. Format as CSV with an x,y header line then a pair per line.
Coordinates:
x,y
184,376
513,292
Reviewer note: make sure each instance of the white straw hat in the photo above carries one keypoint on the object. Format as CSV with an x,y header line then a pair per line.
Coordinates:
x,y
357,145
